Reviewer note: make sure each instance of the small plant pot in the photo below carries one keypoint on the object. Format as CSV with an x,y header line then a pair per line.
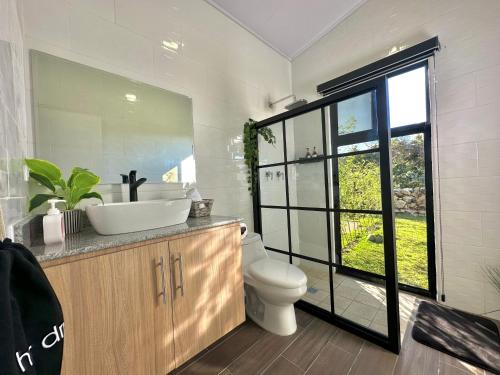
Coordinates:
x,y
72,221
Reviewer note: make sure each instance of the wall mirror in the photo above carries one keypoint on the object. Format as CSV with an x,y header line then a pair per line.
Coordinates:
x,y
109,124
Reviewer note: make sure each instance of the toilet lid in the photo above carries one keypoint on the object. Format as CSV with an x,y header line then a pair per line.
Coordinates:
x,y
277,273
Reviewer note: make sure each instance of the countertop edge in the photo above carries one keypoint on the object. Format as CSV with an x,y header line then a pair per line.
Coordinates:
x,y
88,241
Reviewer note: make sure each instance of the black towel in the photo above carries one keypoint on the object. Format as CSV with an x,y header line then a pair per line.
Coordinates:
x,y
31,319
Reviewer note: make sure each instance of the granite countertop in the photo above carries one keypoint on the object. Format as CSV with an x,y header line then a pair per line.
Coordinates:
x,y
88,240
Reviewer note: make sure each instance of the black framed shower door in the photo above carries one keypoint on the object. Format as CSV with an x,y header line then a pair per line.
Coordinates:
x,y
307,206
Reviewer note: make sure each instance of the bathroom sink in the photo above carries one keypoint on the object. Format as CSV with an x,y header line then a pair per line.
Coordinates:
x,y
116,218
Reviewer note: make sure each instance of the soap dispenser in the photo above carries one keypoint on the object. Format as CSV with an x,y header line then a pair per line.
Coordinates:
x,y
53,224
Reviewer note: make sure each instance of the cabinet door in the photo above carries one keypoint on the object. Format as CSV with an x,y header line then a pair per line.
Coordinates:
x,y
115,318
207,287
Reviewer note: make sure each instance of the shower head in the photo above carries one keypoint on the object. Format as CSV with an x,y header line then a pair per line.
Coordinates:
x,y
296,104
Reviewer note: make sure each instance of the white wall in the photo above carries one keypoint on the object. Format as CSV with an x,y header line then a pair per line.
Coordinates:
x,y
225,70
13,129
468,118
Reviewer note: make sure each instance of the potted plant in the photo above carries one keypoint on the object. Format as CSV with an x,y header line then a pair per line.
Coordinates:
x,y
78,187
251,150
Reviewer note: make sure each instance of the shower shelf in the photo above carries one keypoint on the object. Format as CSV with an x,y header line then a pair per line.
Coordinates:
x,y
315,159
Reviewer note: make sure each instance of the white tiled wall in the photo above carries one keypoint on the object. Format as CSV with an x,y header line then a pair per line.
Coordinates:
x,y
13,132
468,118
225,70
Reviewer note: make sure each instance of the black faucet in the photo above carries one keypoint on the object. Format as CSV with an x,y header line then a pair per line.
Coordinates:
x,y
133,184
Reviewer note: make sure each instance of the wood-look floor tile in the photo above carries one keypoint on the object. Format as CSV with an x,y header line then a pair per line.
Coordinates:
x,y
373,360
303,318
307,347
262,353
319,348
446,369
347,341
416,359
283,367
460,365
221,356
332,360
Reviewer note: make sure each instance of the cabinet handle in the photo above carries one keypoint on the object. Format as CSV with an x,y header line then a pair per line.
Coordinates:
x,y
163,281
181,274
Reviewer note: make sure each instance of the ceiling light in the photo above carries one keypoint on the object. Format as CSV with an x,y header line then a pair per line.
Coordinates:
x,y
171,45
131,97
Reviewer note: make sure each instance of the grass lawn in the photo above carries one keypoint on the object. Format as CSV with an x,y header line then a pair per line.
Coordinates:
x,y
411,246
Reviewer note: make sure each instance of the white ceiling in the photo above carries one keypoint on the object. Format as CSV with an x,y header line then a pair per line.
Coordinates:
x,y
288,26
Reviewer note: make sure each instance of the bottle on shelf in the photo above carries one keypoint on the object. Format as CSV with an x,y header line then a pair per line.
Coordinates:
x,y
315,153
308,153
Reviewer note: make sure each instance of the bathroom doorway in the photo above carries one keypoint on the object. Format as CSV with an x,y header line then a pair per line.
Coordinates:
x,y
361,248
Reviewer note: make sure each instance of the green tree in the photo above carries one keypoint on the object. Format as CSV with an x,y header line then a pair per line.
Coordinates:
x,y
408,165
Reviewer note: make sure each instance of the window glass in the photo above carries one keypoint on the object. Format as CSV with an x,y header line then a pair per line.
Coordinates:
x,y
356,114
408,98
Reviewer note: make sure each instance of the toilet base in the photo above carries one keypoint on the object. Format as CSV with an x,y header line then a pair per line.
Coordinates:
x,y
279,320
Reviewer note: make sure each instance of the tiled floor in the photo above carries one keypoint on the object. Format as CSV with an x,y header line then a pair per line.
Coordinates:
x,y
355,299
318,348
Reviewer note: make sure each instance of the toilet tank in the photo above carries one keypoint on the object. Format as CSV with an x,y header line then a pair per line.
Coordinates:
x,y
253,249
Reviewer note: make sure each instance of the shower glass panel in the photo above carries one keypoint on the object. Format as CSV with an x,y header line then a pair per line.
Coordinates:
x,y
332,215
362,242
272,186
358,217
303,135
306,185
271,154
318,282
275,228
309,234
360,301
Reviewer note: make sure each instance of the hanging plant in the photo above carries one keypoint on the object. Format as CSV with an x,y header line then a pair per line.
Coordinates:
x,y
251,150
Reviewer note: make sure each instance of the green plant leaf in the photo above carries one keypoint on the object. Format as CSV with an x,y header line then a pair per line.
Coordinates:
x,y
74,172
85,179
43,180
82,183
62,183
40,199
251,152
44,168
93,194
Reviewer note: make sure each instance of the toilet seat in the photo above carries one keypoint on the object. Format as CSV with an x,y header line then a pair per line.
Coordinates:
x,y
277,273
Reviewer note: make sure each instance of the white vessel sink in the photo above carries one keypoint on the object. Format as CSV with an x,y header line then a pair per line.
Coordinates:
x,y
116,218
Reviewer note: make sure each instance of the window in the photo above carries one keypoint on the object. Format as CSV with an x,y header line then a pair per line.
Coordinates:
x,y
408,98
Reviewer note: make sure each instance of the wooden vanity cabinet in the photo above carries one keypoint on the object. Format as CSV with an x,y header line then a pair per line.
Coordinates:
x,y
207,289
149,307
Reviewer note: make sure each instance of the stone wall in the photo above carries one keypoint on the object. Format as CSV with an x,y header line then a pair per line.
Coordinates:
x,y
410,200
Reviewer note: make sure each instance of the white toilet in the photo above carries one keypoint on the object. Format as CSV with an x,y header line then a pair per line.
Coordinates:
x,y
271,288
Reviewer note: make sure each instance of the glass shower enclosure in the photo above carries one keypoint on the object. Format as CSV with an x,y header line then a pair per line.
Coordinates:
x,y
324,192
